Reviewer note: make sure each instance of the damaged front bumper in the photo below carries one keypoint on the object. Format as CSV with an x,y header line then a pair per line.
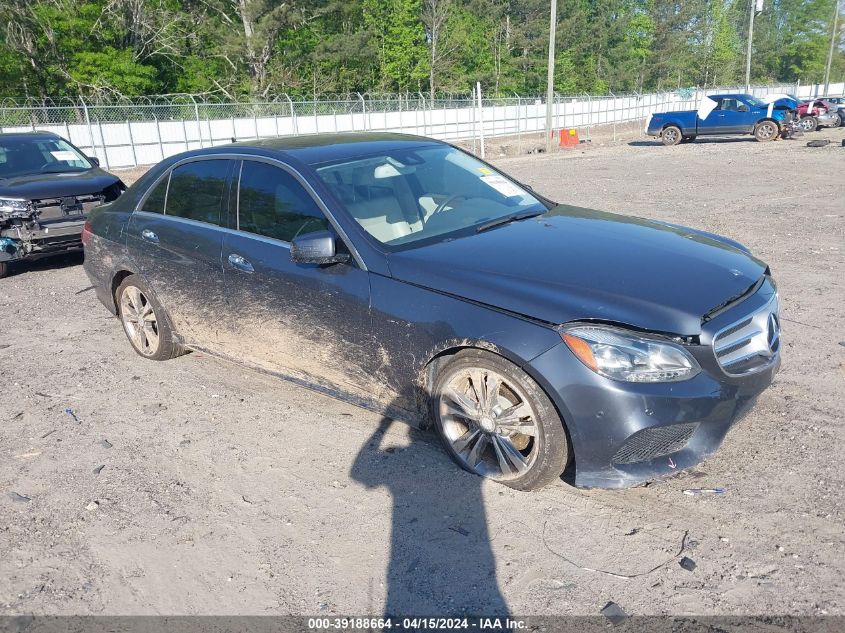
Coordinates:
x,y
32,229
624,434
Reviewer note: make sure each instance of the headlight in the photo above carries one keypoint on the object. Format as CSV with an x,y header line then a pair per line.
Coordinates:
x,y
13,207
622,355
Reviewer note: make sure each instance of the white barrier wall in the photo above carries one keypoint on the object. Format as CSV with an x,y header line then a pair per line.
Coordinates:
x,y
131,143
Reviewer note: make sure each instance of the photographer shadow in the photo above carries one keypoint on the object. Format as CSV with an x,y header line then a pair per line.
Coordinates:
x,y
441,560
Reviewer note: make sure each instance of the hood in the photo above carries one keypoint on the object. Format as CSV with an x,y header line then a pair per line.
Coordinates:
x,y
575,264
38,186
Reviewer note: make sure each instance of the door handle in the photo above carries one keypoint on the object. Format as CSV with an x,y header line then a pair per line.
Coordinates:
x,y
149,236
240,263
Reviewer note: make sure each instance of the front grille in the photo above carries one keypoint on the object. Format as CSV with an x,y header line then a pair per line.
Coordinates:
x,y
750,344
56,208
654,442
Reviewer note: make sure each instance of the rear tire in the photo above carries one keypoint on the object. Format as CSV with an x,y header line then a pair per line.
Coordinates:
x,y
144,320
496,422
671,135
766,131
808,124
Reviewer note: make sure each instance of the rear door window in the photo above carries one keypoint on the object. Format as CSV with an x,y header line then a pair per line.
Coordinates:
x,y
154,203
197,190
272,203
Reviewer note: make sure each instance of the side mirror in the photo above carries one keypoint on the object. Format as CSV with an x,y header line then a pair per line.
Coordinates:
x,y
93,160
319,247
743,108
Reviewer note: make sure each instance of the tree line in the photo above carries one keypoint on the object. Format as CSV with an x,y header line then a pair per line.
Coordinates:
x,y
259,48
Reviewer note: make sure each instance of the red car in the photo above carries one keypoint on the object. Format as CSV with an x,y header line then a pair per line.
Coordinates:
x,y
818,113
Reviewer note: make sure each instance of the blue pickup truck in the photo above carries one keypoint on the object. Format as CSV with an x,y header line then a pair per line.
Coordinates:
x,y
732,114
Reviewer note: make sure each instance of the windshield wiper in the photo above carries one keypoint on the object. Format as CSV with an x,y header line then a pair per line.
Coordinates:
x,y
507,219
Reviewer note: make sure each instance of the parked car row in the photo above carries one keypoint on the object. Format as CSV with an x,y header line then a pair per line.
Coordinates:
x,y
774,116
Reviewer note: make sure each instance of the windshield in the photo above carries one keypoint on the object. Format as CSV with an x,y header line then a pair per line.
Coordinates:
x,y
24,156
754,102
420,195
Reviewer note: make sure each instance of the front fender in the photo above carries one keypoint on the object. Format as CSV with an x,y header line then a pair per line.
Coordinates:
x,y
415,325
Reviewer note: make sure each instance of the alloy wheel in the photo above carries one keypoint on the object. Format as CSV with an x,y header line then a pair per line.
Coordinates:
x,y
766,131
671,136
139,320
489,423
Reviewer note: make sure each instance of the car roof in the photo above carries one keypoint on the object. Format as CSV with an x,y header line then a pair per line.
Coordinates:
x,y
31,135
314,149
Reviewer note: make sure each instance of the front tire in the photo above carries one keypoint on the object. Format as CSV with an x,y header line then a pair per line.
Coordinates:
x,y
671,135
766,131
808,124
496,422
144,321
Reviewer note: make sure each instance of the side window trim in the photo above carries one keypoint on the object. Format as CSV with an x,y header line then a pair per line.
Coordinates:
x,y
238,196
226,202
166,192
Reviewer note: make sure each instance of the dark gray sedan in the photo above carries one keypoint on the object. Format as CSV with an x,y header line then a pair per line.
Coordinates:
x,y
407,276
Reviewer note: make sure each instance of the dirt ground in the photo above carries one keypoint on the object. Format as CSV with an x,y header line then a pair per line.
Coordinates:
x,y
195,487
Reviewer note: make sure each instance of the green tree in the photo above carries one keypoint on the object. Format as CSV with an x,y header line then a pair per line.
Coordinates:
x,y
309,47
400,34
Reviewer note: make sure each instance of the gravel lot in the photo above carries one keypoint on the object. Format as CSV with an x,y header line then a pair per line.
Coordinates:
x,y
195,487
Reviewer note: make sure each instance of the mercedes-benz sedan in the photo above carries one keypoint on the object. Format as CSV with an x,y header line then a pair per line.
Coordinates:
x,y
407,276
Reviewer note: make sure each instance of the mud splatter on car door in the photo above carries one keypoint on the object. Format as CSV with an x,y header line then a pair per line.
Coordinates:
x,y
308,320
176,240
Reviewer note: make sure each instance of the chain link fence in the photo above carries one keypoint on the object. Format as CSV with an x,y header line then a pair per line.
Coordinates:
x,y
144,130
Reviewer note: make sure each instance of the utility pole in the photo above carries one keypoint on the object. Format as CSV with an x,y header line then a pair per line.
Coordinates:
x,y
480,116
550,77
756,7
832,46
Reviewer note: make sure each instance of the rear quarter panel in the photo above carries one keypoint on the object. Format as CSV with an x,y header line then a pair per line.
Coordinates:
x,y
105,250
106,253
684,119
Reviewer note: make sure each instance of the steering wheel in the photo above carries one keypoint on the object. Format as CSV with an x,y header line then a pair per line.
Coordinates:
x,y
446,202
45,166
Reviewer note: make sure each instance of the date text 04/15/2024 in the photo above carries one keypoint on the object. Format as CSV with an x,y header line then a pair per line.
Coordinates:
x,y
412,623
